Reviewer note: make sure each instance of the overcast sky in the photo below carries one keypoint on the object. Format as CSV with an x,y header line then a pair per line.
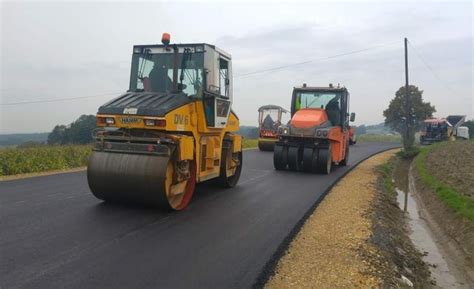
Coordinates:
x,y
54,50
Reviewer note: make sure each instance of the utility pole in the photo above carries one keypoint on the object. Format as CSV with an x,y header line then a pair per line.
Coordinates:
x,y
407,98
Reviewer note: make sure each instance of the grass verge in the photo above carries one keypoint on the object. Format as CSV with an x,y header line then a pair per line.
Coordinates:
x,y
461,205
249,143
378,138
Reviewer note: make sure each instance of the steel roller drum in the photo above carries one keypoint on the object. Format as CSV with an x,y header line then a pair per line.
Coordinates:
x,y
128,178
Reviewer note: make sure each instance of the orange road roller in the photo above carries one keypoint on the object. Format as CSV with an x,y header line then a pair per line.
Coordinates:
x,y
317,136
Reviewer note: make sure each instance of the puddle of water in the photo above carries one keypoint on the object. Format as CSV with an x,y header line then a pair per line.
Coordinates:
x,y
423,239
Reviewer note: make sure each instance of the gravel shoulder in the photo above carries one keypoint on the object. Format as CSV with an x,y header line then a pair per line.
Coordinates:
x,y
350,240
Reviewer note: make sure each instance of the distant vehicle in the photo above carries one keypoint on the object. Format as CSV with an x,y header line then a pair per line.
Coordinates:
x,y
269,120
317,137
462,132
442,129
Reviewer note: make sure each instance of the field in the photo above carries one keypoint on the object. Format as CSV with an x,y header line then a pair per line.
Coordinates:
x,y
14,161
448,168
43,158
379,138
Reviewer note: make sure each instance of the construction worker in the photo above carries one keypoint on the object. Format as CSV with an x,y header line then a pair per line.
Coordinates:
x,y
268,122
159,79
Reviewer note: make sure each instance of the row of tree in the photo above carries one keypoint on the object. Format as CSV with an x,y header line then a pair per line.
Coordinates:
x,y
78,132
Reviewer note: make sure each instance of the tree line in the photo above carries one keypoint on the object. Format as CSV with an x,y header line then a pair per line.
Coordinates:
x,y
78,132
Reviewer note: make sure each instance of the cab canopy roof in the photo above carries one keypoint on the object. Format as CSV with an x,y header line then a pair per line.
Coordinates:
x,y
271,106
452,120
435,120
320,88
181,45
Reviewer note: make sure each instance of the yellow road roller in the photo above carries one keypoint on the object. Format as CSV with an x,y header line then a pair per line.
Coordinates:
x,y
173,128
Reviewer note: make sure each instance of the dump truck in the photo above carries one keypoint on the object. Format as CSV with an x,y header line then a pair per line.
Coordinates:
x,y
269,120
317,136
442,129
173,128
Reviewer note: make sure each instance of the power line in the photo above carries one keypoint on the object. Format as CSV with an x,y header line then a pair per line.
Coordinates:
x,y
425,63
316,60
241,75
57,99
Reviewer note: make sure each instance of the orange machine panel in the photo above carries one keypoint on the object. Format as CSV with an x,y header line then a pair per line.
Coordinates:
x,y
308,117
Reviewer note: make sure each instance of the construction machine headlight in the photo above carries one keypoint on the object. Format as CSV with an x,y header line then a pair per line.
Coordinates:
x,y
284,130
155,122
149,122
322,133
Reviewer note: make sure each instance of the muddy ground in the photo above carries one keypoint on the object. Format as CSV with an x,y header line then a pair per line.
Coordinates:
x,y
390,233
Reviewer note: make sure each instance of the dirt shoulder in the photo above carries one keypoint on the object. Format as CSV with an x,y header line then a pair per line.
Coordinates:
x,y
354,238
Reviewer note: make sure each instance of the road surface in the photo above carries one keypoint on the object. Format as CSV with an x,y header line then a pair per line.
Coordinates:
x,y
55,234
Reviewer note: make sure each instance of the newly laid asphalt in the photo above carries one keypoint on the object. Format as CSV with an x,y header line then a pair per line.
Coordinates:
x,y
55,234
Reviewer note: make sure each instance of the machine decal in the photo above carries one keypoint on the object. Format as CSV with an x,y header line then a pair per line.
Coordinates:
x,y
130,110
129,120
181,119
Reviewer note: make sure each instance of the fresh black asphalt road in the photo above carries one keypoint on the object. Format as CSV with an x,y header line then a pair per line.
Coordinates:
x,y
55,234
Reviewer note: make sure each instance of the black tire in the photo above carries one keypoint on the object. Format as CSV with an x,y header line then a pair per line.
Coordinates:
x,y
345,161
223,180
325,160
294,160
280,157
308,159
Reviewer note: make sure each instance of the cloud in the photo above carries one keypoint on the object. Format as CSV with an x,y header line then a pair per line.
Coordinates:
x,y
62,50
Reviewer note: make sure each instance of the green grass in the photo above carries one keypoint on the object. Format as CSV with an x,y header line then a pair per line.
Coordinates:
x,y
461,205
386,170
249,143
43,158
378,138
